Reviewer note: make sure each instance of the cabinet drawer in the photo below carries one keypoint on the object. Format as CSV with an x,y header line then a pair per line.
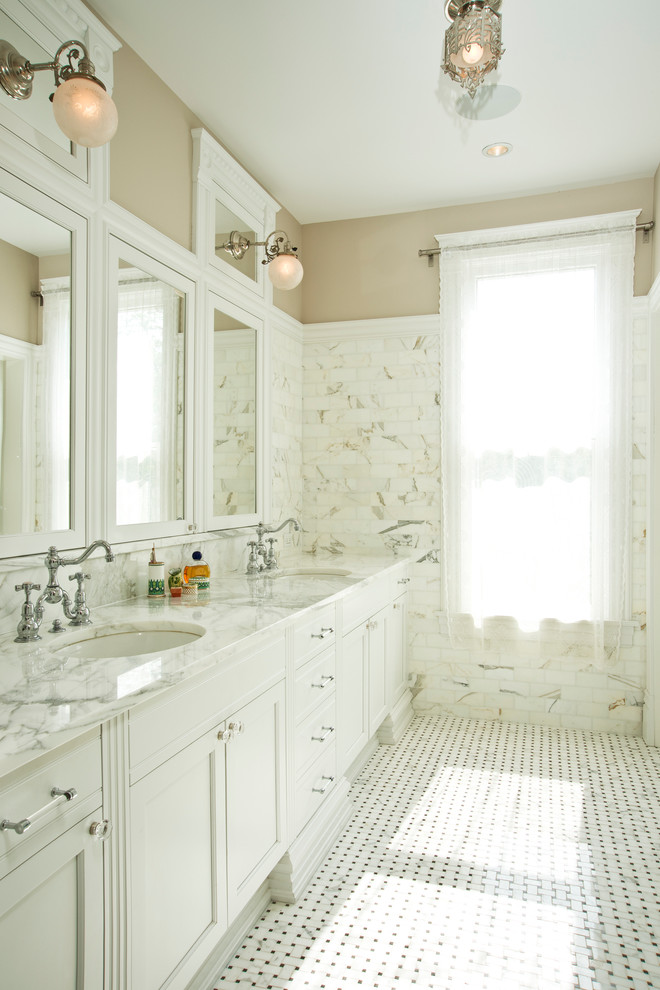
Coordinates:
x,y
27,794
163,726
315,681
314,786
314,633
361,604
315,734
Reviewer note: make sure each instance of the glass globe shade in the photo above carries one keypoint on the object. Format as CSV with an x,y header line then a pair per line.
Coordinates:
x,y
473,53
285,271
84,112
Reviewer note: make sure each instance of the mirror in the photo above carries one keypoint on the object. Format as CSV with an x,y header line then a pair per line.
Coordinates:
x,y
225,222
35,372
234,416
150,364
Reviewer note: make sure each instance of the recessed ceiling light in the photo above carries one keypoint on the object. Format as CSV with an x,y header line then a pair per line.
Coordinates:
x,y
496,150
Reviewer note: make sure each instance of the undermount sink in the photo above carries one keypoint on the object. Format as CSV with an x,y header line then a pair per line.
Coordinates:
x,y
134,640
318,572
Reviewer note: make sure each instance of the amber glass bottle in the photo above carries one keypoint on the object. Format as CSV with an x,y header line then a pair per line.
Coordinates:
x,y
198,572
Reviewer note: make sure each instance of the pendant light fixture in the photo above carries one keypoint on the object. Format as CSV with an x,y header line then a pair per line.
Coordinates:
x,y
473,41
83,110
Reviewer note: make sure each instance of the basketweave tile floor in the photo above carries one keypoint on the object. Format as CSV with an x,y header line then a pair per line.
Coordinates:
x,y
480,855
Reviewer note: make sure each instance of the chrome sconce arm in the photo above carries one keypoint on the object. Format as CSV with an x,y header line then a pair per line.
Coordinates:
x,y
287,272
82,108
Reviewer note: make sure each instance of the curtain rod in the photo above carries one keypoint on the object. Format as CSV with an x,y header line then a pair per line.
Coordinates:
x,y
430,253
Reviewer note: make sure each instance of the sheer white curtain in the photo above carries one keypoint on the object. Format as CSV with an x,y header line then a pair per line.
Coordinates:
x,y
149,377
536,435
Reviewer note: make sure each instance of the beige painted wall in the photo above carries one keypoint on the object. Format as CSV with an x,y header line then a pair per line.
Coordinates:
x,y
151,159
20,277
369,268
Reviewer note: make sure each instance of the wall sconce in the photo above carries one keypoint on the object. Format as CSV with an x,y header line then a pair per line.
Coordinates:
x,y
473,42
82,108
284,268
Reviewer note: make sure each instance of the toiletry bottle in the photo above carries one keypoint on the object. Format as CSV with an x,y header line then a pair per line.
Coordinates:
x,y
156,588
198,572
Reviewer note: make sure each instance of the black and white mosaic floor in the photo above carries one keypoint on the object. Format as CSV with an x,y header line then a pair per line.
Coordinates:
x,y
480,855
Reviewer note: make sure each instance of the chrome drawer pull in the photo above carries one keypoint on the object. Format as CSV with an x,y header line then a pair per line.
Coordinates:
x,y
325,631
327,730
226,735
324,787
236,728
325,680
56,792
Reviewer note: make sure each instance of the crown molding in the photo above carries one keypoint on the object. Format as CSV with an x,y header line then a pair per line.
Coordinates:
x,y
212,164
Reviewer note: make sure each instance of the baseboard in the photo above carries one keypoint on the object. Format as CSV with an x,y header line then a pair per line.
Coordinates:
x,y
302,859
231,940
397,721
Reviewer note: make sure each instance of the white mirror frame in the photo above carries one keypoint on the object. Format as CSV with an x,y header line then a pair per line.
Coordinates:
x,y
26,543
262,418
119,249
218,177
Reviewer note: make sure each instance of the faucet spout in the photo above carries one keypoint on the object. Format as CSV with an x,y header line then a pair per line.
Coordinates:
x,y
109,554
261,529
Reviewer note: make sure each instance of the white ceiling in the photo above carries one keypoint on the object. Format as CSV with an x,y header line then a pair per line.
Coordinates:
x,y
341,109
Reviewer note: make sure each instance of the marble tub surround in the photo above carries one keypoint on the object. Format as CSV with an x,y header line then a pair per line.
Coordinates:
x,y
47,695
371,444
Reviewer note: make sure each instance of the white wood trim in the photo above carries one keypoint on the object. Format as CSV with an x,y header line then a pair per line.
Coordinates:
x,y
394,326
651,718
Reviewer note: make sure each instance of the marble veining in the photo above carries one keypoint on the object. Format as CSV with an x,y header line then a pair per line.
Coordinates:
x,y
46,696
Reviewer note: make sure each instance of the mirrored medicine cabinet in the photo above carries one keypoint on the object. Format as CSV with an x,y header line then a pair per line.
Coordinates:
x,y
42,370
150,363
235,384
134,381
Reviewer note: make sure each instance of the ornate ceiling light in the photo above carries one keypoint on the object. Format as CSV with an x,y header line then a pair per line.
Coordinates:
x,y
473,42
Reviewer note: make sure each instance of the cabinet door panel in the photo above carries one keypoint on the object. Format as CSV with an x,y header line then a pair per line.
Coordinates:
x,y
177,851
352,699
396,655
379,631
255,795
51,925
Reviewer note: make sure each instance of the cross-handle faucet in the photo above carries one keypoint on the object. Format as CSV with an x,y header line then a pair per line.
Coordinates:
x,y
53,593
260,557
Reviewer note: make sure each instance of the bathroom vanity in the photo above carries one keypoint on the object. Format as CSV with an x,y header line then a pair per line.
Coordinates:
x,y
179,790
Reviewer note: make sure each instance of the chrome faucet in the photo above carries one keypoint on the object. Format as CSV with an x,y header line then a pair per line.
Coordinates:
x,y
262,558
77,611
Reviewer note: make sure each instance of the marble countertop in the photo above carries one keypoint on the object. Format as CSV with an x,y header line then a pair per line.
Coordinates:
x,y
48,695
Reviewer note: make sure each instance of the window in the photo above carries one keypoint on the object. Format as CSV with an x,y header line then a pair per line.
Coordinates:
x,y
536,407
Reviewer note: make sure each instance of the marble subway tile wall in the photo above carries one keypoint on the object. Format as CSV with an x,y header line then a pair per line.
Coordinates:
x,y
287,429
371,458
371,440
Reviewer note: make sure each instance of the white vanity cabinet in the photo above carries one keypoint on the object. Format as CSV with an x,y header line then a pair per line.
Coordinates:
x,y
371,663
314,754
51,876
208,823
